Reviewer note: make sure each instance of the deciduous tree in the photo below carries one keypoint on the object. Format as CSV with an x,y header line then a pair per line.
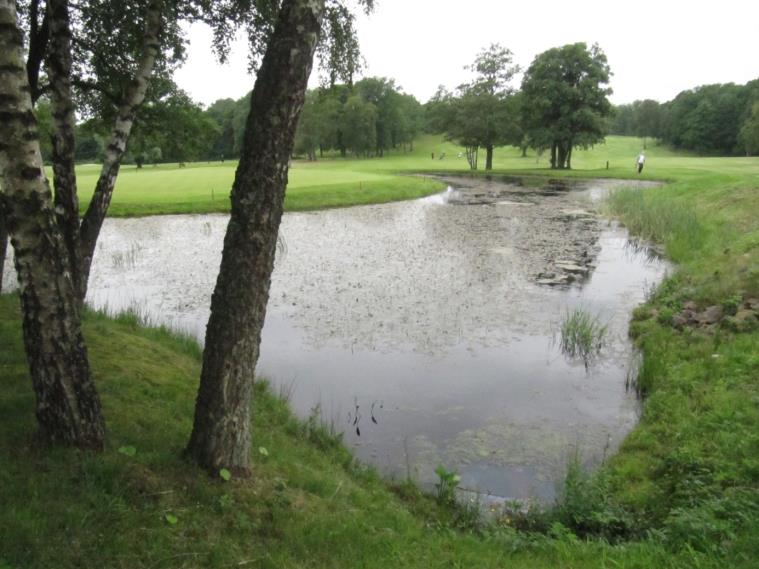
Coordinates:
x,y
647,119
565,100
176,125
358,121
708,119
68,408
481,113
221,430
53,250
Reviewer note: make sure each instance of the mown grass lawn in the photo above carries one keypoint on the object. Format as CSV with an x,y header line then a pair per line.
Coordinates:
x,y
336,182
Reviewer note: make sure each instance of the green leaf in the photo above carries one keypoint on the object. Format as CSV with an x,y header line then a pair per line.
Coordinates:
x,y
171,519
128,450
262,451
225,474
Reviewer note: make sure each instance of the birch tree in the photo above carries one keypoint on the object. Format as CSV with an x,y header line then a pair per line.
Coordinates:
x,y
53,250
68,409
221,436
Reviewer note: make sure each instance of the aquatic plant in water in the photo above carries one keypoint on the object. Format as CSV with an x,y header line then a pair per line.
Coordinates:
x,y
582,335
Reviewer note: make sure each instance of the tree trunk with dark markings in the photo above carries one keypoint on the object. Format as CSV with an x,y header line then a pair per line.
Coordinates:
x,y
58,65
93,219
3,239
68,408
554,163
38,40
38,36
221,431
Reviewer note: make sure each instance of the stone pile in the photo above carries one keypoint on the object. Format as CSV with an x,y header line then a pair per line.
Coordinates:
x,y
743,317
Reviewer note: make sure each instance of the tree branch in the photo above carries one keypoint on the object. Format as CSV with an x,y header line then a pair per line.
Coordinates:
x,y
38,40
90,85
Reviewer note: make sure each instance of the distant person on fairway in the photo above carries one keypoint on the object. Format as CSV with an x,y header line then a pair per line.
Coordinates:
x,y
641,161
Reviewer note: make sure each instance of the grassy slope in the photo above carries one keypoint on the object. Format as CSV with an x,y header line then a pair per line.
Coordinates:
x,y
690,466
308,504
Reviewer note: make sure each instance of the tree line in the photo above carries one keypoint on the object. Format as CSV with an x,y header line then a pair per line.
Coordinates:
x,y
562,104
365,119
720,119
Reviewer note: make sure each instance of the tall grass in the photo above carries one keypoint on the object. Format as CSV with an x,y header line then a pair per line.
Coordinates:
x,y
673,223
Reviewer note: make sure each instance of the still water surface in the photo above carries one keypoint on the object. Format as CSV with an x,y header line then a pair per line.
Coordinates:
x,y
422,325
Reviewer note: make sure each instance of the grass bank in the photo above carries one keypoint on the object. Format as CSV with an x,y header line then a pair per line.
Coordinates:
x,y
204,187
691,466
309,504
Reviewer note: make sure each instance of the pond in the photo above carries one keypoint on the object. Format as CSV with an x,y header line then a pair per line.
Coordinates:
x,y
426,331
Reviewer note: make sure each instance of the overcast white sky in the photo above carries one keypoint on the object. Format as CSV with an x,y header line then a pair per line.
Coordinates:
x,y
655,48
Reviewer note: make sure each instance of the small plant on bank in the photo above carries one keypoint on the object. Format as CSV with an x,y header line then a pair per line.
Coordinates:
x,y
582,335
320,432
445,488
129,451
731,305
584,509
665,316
463,515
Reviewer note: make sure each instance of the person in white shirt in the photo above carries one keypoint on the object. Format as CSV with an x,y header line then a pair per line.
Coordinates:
x,y
641,161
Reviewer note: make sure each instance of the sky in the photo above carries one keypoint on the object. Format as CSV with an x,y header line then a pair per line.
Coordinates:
x,y
655,48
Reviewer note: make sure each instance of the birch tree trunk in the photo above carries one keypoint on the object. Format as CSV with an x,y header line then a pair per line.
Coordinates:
x,y
221,431
68,408
471,156
38,36
3,239
554,163
58,64
93,219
